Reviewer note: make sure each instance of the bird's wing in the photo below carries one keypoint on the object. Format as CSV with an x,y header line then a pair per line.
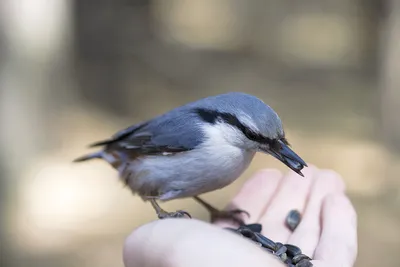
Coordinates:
x,y
157,137
120,135
146,143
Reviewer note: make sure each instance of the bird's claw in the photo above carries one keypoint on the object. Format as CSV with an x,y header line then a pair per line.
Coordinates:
x,y
229,214
238,211
176,214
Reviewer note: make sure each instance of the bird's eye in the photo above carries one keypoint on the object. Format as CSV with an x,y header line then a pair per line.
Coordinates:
x,y
251,135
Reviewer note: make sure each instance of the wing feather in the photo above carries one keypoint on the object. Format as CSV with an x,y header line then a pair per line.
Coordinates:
x,y
163,135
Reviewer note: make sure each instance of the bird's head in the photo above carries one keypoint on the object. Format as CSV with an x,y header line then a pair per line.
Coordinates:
x,y
250,124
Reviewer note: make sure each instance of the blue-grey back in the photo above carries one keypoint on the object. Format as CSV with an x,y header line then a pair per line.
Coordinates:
x,y
180,127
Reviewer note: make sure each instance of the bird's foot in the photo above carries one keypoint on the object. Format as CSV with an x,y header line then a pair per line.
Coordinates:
x,y
217,214
177,214
233,215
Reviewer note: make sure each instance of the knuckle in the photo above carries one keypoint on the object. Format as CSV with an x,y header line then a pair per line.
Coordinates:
x,y
343,203
332,178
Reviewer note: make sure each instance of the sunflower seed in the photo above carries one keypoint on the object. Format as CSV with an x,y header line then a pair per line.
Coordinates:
x,y
289,254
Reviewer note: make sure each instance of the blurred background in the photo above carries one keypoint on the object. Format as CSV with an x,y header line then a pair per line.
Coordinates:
x,y
74,72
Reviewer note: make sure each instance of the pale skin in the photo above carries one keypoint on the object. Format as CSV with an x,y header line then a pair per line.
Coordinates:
x,y
327,232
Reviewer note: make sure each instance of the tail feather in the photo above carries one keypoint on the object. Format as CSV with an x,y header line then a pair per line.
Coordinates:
x,y
96,155
102,143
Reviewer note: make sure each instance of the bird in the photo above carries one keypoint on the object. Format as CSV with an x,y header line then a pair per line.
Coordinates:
x,y
196,148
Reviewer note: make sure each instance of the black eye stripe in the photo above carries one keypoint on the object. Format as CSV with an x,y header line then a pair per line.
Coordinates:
x,y
212,116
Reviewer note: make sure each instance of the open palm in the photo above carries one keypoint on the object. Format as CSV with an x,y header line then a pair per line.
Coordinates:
x,y
327,232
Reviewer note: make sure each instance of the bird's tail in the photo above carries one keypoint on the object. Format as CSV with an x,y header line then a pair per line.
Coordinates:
x,y
95,155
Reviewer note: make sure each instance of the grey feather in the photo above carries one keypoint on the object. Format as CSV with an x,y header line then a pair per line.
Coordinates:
x,y
196,148
180,127
177,130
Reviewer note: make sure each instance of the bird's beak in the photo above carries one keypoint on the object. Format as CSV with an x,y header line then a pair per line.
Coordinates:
x,y
288,157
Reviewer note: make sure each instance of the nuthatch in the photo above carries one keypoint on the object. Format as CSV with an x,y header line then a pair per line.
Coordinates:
x,y
196,148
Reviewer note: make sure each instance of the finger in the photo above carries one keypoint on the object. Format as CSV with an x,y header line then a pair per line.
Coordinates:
x,y
307,234
338,242
191,243
292,194
255,195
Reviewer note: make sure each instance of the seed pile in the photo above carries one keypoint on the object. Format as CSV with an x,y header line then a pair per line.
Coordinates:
x,y
287,253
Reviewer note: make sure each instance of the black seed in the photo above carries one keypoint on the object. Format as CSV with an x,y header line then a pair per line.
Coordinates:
x,y
278,245
304,263
247,233
281,250
300,257
292,250
268,243
283,257
289,254
255,227
293,219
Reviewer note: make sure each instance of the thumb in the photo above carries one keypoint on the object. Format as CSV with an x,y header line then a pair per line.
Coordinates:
x,y
191,243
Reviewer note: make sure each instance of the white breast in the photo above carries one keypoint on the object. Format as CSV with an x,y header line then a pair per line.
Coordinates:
x,y
213,165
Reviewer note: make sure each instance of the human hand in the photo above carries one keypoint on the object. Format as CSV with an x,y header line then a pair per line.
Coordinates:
x,y
327,232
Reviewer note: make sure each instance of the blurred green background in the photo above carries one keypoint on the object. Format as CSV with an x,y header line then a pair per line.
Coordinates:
x,y
73,72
